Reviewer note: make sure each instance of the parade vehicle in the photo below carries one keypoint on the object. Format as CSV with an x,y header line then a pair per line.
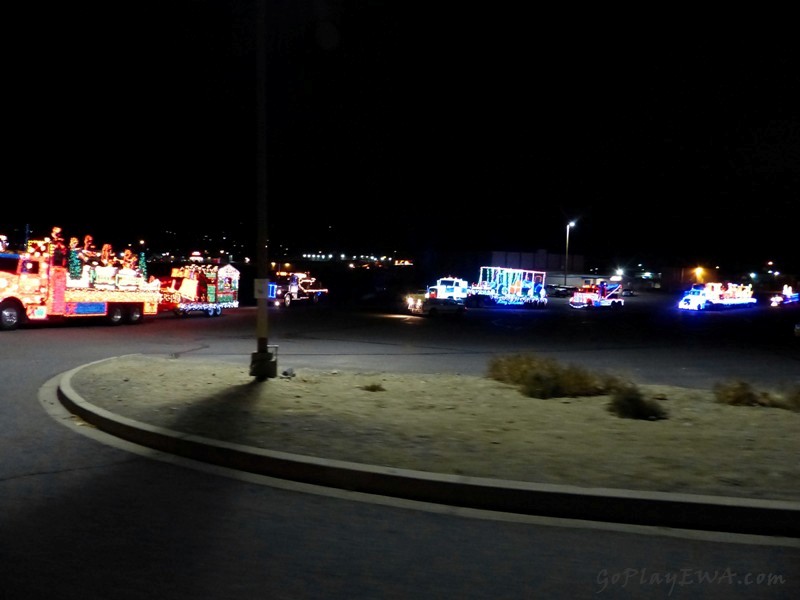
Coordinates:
x,y
503,286
449,287
415,299
289,288
207,289
434,307
710,296
49,282
787,296
445,288
598,295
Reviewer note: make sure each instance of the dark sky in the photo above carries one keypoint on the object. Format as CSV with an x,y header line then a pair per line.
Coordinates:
x,y
415,126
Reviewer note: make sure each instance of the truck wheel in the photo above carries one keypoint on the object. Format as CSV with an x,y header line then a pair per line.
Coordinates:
x,y
115,314
135,315
10,316
287,300
217,311
210,311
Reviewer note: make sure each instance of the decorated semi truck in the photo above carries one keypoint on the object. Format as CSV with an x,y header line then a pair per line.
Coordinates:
x,y
288,288
206,289
50,281
505,286
707,296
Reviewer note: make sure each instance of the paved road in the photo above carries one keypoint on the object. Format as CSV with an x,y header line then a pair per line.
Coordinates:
x,y
87,517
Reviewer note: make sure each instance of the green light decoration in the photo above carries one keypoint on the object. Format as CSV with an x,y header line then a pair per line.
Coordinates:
x,y
143,265
74,264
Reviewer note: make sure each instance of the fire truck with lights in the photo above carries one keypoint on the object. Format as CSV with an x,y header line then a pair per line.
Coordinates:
x,y
602,294
503,286
49,282
206,289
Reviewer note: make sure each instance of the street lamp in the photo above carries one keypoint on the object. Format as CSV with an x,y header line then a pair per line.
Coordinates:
x,y
570,225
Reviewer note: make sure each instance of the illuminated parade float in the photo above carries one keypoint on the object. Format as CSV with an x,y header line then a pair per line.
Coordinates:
x,y
787,296
51,280
508,287
709,296
200,288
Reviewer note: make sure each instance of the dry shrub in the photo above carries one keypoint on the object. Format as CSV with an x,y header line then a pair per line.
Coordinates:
x,y
791,400
736,393
741,393
543,377
373,387
515,369
627,402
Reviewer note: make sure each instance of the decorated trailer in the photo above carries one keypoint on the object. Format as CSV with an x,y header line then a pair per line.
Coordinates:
x,y
51,281
207,289
503,286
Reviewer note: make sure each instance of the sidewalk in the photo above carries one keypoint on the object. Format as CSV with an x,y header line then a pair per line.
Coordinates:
x,y
79,394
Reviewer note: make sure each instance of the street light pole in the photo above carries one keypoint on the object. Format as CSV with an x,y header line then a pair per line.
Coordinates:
x,y
264,361
570,225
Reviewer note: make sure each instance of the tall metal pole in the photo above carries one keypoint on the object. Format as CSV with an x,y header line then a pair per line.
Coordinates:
x,y
570,225
262,362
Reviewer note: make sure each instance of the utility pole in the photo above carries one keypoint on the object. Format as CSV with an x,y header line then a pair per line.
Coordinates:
x,y
264,361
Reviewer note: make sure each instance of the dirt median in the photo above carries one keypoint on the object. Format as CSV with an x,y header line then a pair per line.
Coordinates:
x,y
463,424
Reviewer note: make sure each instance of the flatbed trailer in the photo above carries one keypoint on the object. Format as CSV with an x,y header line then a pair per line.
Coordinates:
x,y
504,286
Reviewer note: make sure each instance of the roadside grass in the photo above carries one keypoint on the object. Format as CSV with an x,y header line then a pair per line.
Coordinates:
x,y
543,377
741,393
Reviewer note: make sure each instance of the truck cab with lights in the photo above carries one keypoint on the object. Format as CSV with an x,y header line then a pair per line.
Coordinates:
x,y
710,296
449,287
290,287
599,295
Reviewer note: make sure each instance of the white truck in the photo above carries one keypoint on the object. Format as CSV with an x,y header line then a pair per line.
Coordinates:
x,y
438,296
709,296
449,287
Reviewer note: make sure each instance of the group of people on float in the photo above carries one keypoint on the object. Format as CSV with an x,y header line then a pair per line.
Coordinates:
x,y
88,253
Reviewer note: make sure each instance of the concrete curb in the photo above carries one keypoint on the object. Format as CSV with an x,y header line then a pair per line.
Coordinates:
x,y
683,511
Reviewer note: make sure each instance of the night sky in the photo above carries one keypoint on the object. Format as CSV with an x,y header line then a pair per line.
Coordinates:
x,y
411,127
